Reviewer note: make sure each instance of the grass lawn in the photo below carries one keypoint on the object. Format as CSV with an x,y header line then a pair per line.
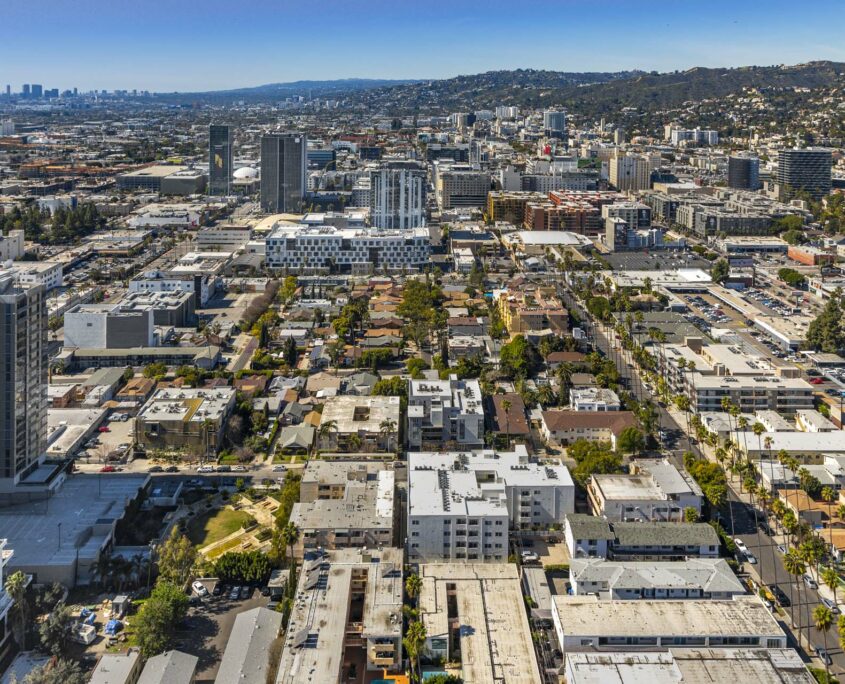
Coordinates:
x,y
210,526
223,548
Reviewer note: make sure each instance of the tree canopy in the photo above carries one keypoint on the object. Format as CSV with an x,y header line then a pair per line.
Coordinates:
x,y
827,332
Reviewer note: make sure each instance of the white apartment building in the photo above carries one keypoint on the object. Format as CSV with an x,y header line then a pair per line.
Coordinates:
x,y
225,237
443,411
45,273
459,185
632,172
295,247
588,624
654,491
203,286
693,578
594,399
12,245
397,196
461,505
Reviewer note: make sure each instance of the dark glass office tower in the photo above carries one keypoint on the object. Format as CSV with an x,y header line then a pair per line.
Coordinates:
x,y
283,163
804,169
219,159
23,379
743,172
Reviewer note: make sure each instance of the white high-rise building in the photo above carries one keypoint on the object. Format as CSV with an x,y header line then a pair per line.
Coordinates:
x,y
397,196
554,123
632,172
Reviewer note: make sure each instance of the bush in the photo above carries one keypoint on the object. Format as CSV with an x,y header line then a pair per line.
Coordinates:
x,y
249,566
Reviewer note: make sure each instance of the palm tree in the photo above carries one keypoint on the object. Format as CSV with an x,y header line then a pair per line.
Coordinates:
x,y
793,563
564,375
506,407
386,428
831,578
289,535
413,585
326,429
16,584
823,618
414,642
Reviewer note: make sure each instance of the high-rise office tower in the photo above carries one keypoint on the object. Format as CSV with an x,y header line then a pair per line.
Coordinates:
x,y
37,90
26,90
219,159
23,379
807,170
554,124
632,172
744,172
397,195
283,163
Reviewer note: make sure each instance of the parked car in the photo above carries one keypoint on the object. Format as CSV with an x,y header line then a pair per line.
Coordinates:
x,y
224,469
104,428
199,588
816,381
750,558
810,582
823,655
279,468
205,469
740,545
830,604
246,592
235,593
780,596
171,469
156,469
108,469
219,588
238,469
530,557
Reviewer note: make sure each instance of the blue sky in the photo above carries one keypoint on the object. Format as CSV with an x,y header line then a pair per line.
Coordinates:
x,y
214,44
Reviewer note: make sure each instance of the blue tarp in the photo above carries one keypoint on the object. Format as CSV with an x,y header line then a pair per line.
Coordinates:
x,y
90,619
85,612
113,627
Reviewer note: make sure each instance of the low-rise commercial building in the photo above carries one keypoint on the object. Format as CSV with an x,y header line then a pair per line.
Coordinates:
x,y
461,505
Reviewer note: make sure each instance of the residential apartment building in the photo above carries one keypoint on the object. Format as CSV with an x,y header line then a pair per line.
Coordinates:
x,y
441,412
807,170
532,310
654,491
360,423
632,173
566,427
299,248
461,505
398,196
458,185
694,578
588,624
587,536
23,369
594,399
345,504
348,609
185,418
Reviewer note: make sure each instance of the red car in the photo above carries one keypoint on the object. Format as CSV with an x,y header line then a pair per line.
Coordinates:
x,y
816,381
107,469
104,428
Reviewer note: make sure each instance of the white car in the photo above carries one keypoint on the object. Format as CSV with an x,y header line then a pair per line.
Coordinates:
x,y
199,589
238,469
530,557
205,469
741,545
279,468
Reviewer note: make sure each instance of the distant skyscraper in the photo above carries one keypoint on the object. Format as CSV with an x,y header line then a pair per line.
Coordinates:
x,y
26,90
397,196
23,388
8,90
219,159
806,169
37,90
554,124
283,162
632,172
744,172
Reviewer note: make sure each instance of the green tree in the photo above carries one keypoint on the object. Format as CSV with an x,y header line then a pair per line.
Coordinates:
x,y
176,559
823,620
56,631
414,643
518,358
16,584
827,332
630,441
720,271
157,369
158,617
56,671
413,585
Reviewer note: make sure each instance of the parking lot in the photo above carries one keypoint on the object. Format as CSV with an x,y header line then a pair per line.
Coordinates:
x,y
116,438
206,629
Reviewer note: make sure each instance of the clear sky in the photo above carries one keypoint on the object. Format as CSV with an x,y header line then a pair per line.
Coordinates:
x,y
192,45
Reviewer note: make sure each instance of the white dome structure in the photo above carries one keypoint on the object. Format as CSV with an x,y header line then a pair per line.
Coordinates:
x,y
245,173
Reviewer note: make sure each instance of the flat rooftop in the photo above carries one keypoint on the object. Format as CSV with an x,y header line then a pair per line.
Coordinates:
x,y
355,413
693,665
191,404
79,516
588,616
495,636
313,648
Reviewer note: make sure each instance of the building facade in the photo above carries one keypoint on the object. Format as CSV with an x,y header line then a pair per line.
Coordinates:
x,y
397,196
283,166
220,137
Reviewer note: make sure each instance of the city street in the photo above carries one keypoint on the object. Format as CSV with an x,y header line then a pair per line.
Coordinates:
x,y
770,561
